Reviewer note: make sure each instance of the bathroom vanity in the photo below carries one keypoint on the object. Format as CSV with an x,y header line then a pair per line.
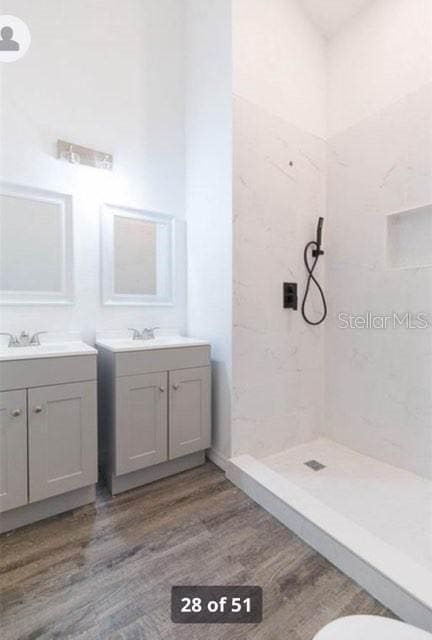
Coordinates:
x,y
154,408
48,431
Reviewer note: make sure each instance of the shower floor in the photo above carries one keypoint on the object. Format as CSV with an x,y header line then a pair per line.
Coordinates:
x,y
357,511
393,504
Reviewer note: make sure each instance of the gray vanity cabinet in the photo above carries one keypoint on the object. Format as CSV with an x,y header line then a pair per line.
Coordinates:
x,y
154,417
48,436
142,421
62,439
13,449
189,409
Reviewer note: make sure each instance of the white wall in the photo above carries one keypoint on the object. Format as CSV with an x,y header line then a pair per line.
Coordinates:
x,y
109,75
378,383
380,57
279,192
280,62
208,195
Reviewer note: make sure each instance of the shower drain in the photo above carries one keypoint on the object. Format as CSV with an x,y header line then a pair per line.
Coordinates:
x,y
315,465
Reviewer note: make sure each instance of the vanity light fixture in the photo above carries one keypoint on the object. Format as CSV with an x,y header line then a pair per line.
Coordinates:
x,y
76,154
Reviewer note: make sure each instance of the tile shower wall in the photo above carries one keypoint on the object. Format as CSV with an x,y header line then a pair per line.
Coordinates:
x,y
376,386
379,382
279,192
108,75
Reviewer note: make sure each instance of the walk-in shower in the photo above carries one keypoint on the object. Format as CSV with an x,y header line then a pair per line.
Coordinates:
x,y
332,421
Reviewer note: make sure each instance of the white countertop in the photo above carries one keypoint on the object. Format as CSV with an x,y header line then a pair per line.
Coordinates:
x,y
118,345
46,350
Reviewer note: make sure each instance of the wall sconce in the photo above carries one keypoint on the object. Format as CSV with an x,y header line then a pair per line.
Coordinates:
x,y
75,154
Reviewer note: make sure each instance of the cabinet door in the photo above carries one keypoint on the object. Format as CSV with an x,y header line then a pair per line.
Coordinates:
x,y
62,439
189,429
13,449
141,422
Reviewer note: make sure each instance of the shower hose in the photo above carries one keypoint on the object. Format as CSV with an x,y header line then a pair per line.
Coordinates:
x,y
310,267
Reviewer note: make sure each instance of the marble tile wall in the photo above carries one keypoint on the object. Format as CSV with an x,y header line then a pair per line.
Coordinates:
x,y
372,390
378,383
279,192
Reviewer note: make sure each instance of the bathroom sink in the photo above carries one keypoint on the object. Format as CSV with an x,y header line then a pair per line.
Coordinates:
x,y
45,350
163,342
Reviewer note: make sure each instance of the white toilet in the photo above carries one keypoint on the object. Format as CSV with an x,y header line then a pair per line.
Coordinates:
x,y
370,628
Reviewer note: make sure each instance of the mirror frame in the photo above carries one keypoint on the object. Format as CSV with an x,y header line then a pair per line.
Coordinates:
x,y
109,296
66,294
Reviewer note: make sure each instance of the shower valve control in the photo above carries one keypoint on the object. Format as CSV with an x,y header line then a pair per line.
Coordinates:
x,y
290,296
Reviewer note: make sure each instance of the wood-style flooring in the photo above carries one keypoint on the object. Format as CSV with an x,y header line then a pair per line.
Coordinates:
x,y
105,571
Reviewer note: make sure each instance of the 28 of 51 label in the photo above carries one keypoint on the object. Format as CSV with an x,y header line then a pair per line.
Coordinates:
x,y
216,605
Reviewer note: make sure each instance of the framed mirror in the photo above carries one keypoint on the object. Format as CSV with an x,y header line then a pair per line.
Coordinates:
x,y
36,246
137,257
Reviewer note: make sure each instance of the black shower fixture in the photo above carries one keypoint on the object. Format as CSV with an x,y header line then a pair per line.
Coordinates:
x,y
318,252
290,297
315,246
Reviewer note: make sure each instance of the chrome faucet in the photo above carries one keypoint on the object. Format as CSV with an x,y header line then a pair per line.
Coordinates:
x,y
146,334
24,339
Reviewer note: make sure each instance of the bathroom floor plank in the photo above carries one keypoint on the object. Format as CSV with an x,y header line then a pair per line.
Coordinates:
x,y
105,571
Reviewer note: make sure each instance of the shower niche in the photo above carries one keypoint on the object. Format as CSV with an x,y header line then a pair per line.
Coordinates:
x,y
409,238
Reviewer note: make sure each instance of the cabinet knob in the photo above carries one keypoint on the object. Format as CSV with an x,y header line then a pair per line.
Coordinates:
x,y
176,387
16,413
162,389
38,409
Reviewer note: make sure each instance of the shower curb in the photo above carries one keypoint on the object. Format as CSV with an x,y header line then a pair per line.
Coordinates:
x,y
413,605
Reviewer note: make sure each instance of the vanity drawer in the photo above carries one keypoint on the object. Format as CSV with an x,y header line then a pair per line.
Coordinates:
x,y
150,361
20,374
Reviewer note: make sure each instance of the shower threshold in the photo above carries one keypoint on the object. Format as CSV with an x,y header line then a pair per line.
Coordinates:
x,y
370,519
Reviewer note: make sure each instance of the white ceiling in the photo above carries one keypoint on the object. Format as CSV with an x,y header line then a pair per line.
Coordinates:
x,y
330,15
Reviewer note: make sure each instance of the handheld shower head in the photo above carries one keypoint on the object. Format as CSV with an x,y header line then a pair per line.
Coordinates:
x,y
319,232
318,242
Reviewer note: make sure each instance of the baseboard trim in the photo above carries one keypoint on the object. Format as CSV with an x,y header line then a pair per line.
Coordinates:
x,y
36,511
217,458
